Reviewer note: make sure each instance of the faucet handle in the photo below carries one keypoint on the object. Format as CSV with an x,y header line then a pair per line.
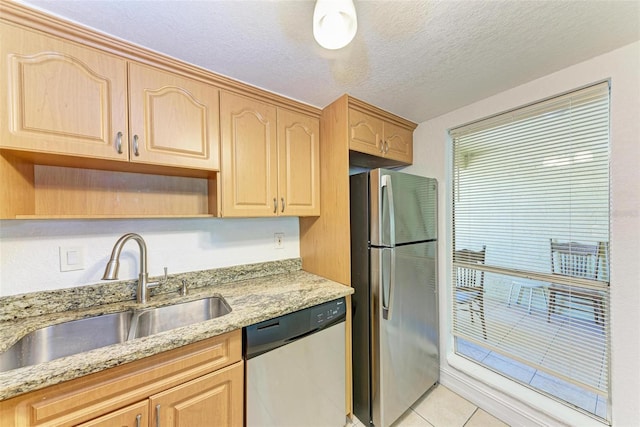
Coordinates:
x,y
153,284
159,282
184,290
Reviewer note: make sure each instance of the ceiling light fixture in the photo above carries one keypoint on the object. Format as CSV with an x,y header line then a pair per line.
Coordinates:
x,y
334,23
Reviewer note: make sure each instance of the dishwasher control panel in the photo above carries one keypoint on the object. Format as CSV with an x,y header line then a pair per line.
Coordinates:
x,y
328,312
273,333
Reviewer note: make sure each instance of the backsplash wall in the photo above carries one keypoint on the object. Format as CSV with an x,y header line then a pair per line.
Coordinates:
x,y
30,250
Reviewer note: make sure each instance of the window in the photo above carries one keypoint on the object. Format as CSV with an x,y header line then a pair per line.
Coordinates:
x,y
530,291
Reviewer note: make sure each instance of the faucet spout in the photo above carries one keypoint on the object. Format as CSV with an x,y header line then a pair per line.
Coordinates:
x,y
111,270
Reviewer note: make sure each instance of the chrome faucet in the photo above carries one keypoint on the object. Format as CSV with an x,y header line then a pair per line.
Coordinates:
x,y
111,271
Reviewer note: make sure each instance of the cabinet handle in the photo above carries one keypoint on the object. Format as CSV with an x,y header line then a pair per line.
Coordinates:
x,y
157,415
119,142
381,146
136,152
386,147
282,200
138,420
275,205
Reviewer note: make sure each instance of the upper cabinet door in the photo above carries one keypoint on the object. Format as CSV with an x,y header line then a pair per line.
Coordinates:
x,y
365,133
381,138
249,157
398,143
59,97
298,164
174,120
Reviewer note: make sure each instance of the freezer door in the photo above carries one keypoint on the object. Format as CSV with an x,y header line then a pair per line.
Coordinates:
x,y
404,337
403,208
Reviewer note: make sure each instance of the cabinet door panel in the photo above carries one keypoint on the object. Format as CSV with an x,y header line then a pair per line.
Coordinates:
x,y
298,164
174,119
365,133
249,156
399,143
136,415
60,97
215,399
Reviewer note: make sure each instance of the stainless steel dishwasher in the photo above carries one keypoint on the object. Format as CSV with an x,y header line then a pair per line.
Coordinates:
x,y
295,368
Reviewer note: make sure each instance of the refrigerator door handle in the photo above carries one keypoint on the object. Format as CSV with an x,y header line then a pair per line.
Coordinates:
x,y
387,297
386,182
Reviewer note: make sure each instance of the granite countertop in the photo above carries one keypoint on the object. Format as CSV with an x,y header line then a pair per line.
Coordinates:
x,y
255,292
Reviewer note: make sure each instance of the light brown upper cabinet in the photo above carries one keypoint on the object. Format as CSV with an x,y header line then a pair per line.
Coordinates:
x,y
352,134
92,126
372,135
270,160
67,99
61,98
298,163
365,133
174,120
398,143
249,175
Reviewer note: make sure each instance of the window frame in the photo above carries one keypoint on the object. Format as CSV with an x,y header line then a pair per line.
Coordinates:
x,y
458,361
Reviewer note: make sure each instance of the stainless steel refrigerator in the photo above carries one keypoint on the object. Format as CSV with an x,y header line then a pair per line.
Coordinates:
x,y
395,307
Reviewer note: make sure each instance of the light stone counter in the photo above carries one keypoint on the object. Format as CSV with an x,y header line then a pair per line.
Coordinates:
x,y
254,292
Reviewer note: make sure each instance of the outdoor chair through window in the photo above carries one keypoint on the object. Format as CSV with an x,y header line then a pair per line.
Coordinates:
x,y
578,260
469,289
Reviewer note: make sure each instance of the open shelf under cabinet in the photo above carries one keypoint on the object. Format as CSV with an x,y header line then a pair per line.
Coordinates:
x,y
44,191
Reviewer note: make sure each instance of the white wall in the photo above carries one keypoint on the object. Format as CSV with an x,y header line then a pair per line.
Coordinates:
x,y
29,250
432,157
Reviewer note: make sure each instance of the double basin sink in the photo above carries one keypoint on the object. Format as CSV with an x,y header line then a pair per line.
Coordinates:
x,y
77,336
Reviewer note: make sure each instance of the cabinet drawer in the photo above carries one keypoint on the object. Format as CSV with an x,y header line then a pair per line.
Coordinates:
x,y
136,415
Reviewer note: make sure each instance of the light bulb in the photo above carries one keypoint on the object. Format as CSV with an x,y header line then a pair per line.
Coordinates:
x,y
334,23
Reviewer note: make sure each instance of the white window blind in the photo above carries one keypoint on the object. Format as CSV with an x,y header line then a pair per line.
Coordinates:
x,y
531,244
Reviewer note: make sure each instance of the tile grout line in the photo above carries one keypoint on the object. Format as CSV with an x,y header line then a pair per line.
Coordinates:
x,y
418,414
471,416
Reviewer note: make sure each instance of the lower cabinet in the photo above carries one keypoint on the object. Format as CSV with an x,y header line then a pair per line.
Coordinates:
x,y
201,384
212,400
207,401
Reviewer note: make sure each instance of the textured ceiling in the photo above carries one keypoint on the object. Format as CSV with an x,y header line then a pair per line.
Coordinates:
x,y
417,59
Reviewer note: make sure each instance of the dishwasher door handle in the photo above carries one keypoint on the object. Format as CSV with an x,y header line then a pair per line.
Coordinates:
x,y
270,325
297,337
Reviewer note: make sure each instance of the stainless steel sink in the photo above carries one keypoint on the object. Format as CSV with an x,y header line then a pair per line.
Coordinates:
x,y
155,320
65,339
77,336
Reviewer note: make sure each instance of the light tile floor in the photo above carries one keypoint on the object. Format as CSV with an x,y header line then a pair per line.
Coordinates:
x,y
440,407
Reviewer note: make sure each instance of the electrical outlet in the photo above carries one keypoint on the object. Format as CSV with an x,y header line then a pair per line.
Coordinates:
x,y
71,258
278,240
